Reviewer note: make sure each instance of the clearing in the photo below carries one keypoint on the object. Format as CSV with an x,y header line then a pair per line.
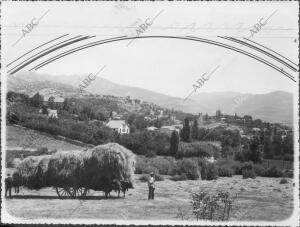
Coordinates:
x,y
18,137
258,199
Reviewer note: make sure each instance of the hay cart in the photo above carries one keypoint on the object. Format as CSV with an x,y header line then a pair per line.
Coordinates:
x,y
71,192
72,174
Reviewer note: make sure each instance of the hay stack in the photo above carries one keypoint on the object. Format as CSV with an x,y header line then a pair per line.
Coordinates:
x,y
93,169
32,171
106,162
65,169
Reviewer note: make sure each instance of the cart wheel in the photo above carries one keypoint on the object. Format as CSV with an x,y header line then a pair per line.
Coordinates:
x,y
78,192
63,192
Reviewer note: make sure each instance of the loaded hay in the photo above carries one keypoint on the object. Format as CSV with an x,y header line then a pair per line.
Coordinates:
x,y
92,169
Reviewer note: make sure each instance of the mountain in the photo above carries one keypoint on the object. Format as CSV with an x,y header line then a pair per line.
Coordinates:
x,y
275,106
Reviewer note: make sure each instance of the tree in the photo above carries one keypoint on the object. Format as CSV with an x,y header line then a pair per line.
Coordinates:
x,y
66,104
140,122
205,117
218,114
174,143
186,131
51,103
195,130
255,150
37,100
44,109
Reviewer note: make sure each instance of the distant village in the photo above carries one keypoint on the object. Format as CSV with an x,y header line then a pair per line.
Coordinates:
x,y
54,100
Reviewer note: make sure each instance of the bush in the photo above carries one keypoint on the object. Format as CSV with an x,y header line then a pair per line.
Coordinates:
x,y
197,149
159,177
259,170
140,165
181,177
248,173
144,178
212,172
247,166
289,173
9,162
163,165
150,153
224,171
283,181
188,167
235,166
273,172
214,206
248,170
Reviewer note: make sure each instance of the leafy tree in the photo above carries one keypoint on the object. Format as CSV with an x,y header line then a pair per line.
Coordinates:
x,y
44,109
185,133
157,123
140,122
131,119
268,152
205,117
195,130
51,103
255,150
218,114
174,143
66,104
37,100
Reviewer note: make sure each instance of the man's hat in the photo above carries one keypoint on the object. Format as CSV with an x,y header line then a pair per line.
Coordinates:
x,y
151,173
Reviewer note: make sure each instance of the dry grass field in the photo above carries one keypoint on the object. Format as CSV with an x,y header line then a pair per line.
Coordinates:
x,y
27,138
258,199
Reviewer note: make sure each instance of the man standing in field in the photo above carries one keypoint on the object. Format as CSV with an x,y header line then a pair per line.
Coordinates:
x,y
8,185
151,186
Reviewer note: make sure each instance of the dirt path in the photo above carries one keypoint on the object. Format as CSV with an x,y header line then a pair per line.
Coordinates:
x,y
259,199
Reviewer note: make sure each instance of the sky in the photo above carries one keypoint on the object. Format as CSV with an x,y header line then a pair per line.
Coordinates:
x,y
168,66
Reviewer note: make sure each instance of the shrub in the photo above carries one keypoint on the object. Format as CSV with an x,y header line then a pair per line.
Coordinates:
x,y
273,172
259,170
196,149
247,166
237,168
150,153
42,150
248,170
189,167
9,162
289,173
144,178
234,165
283,181
159,177
181,177
212,206
212,172
165,165
140,165
224,171
248,173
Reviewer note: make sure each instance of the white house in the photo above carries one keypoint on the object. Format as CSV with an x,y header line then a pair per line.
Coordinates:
x,y
152,128
52,113
118,125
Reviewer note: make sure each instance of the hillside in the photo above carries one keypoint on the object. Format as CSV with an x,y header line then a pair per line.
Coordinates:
x,y
18,137
276,106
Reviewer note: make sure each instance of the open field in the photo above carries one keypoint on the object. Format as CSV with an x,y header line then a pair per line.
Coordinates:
x,y
258,199
17,137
